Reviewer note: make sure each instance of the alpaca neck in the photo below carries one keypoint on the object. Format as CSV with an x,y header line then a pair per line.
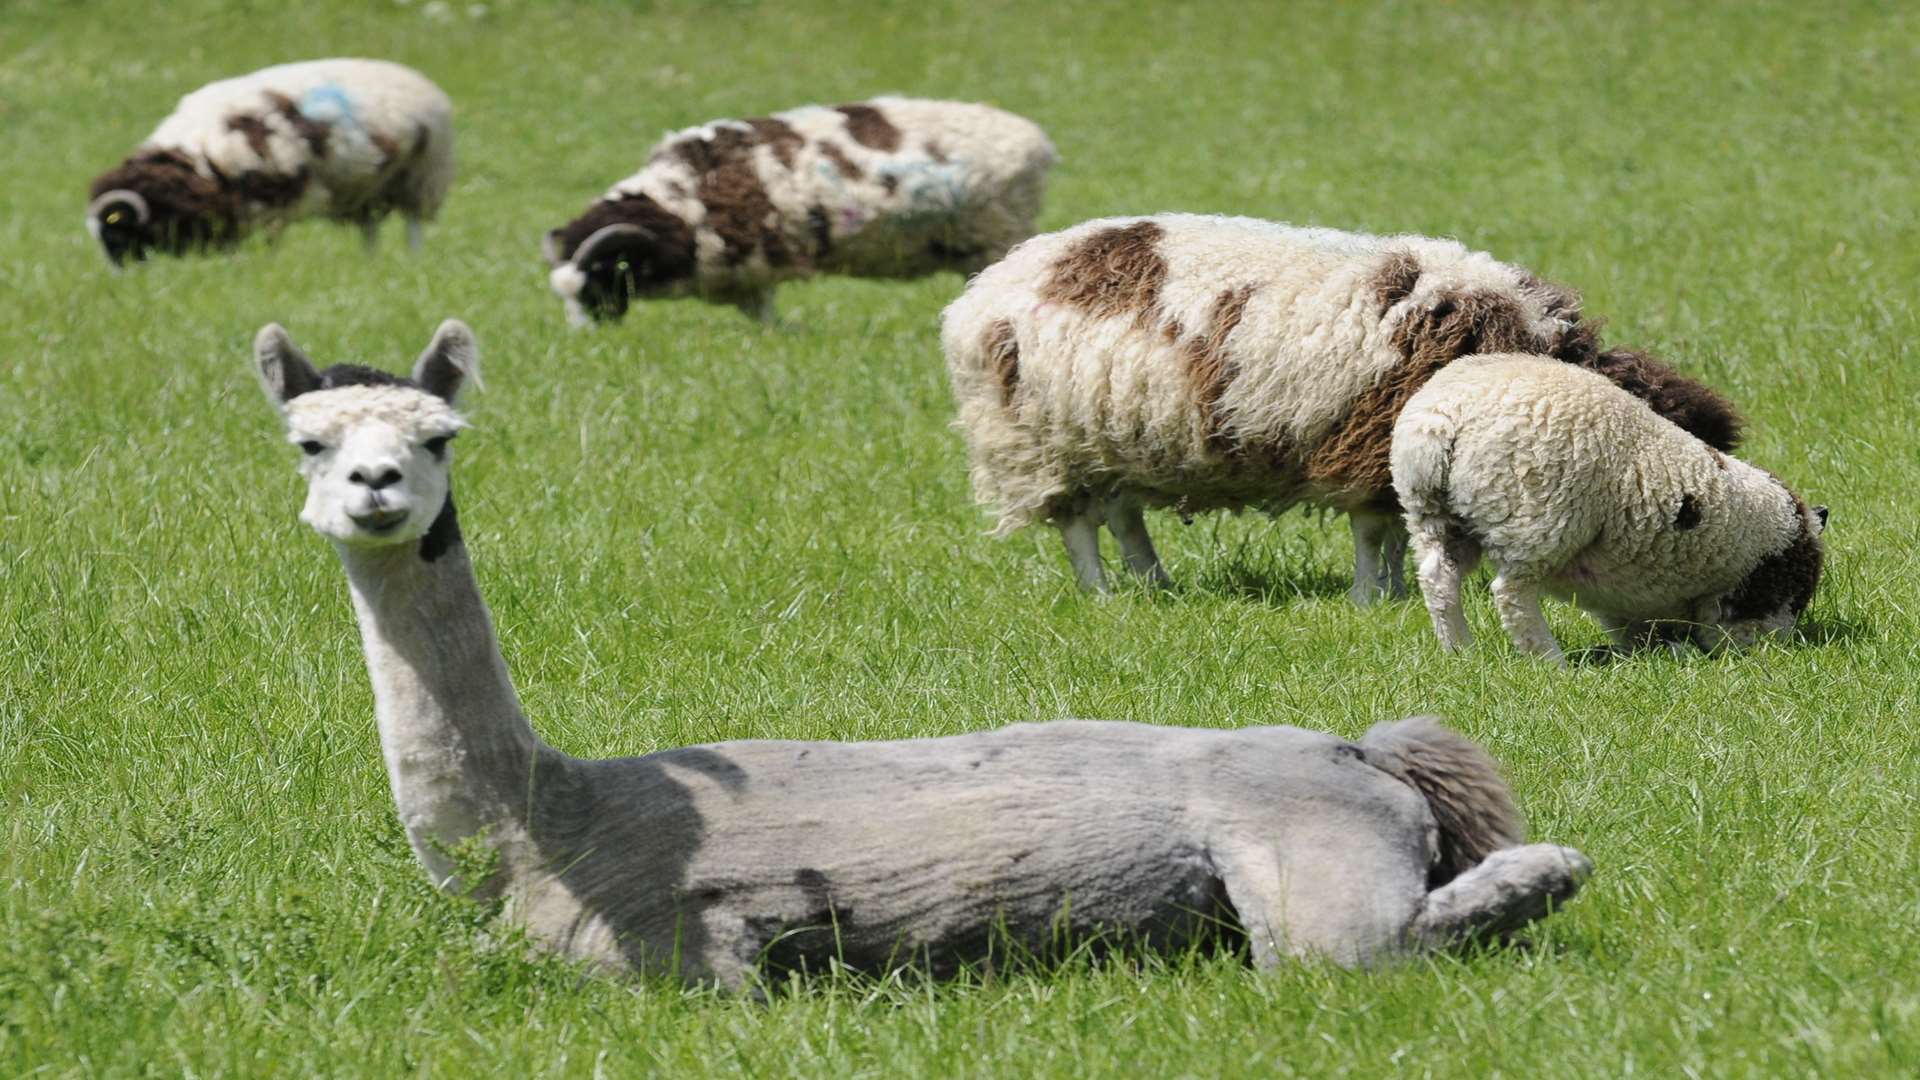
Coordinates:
x,y
459,752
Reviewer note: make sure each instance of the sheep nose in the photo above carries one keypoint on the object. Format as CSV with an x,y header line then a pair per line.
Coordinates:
x,y
375,479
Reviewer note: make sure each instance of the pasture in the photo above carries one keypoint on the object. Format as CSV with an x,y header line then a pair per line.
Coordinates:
x,y
691,528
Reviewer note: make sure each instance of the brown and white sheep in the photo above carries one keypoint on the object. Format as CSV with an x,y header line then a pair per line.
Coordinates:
x,y
349,140
893,187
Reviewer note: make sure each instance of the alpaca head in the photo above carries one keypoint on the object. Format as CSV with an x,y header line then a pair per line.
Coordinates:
x,y
374,445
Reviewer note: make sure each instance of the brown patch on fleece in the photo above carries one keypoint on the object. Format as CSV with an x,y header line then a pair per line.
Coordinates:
x,y
935,152
870,128
1394,279
833,153
1560,301
738,208
1784,580
313,131
268,189
255,129
1353,457
1209,371
778,136
1002,353
1117,271
672,251
388,148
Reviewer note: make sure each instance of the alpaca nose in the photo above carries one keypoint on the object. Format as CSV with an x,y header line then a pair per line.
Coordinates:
x,y
375,478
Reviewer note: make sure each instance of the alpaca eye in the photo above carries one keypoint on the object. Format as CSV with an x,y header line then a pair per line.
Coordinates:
x,y
311,447
437,446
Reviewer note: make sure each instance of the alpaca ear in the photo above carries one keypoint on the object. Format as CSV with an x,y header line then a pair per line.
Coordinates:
x,y
285,372
451,360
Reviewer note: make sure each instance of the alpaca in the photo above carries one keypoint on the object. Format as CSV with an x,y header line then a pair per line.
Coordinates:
x,y
715,862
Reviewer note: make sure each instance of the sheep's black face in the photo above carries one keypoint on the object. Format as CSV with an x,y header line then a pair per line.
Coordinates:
x,y
616,278
122,234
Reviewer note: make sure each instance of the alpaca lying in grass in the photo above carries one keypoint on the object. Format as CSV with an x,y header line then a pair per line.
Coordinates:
x,y
712,862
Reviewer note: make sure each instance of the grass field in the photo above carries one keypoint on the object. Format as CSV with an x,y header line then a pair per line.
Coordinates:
x,y
691,529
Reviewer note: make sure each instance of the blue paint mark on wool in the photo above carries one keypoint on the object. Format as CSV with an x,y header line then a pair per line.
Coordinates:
x,y
328,104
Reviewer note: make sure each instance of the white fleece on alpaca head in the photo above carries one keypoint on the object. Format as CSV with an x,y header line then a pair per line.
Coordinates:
x,y
360,436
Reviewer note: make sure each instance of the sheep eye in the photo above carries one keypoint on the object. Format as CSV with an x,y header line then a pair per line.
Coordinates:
x,y
311,447
437,446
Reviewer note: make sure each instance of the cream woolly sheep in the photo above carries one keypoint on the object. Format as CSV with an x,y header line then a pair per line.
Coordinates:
x,y
1214,362
348,140
1573,487
893,187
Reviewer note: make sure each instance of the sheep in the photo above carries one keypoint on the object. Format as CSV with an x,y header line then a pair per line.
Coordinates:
x,y
348,140
1572,486
893,187
1202,362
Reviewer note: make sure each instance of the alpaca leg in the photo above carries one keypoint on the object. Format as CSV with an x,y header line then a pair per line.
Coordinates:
x,y
370,236
1444,561
415,235
1347,900
1379,558
1128,524
1517,599
1081,533
1508,890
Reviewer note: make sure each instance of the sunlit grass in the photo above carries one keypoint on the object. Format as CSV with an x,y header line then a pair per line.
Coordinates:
x,y
691,528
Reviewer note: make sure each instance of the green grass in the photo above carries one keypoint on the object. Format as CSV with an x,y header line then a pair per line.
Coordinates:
x,y
693,529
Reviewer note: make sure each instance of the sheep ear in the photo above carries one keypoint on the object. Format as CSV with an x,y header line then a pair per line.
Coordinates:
x,y
451,360
285,372
1821,513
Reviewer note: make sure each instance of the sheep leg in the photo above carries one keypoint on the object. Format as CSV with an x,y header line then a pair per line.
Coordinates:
x,y
1445,559
1128,524
1080,531
415,235
1517,599
756,305
1379,558
1508,890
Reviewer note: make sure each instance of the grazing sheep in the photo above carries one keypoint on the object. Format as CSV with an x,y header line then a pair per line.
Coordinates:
x,y
1212,362
348,140
1573,487
711,862
893,187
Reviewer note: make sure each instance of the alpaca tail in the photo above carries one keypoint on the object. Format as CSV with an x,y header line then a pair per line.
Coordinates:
x,y
1462,785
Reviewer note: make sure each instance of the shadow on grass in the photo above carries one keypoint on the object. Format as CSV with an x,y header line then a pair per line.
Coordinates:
x,y
1810,633
1268,582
